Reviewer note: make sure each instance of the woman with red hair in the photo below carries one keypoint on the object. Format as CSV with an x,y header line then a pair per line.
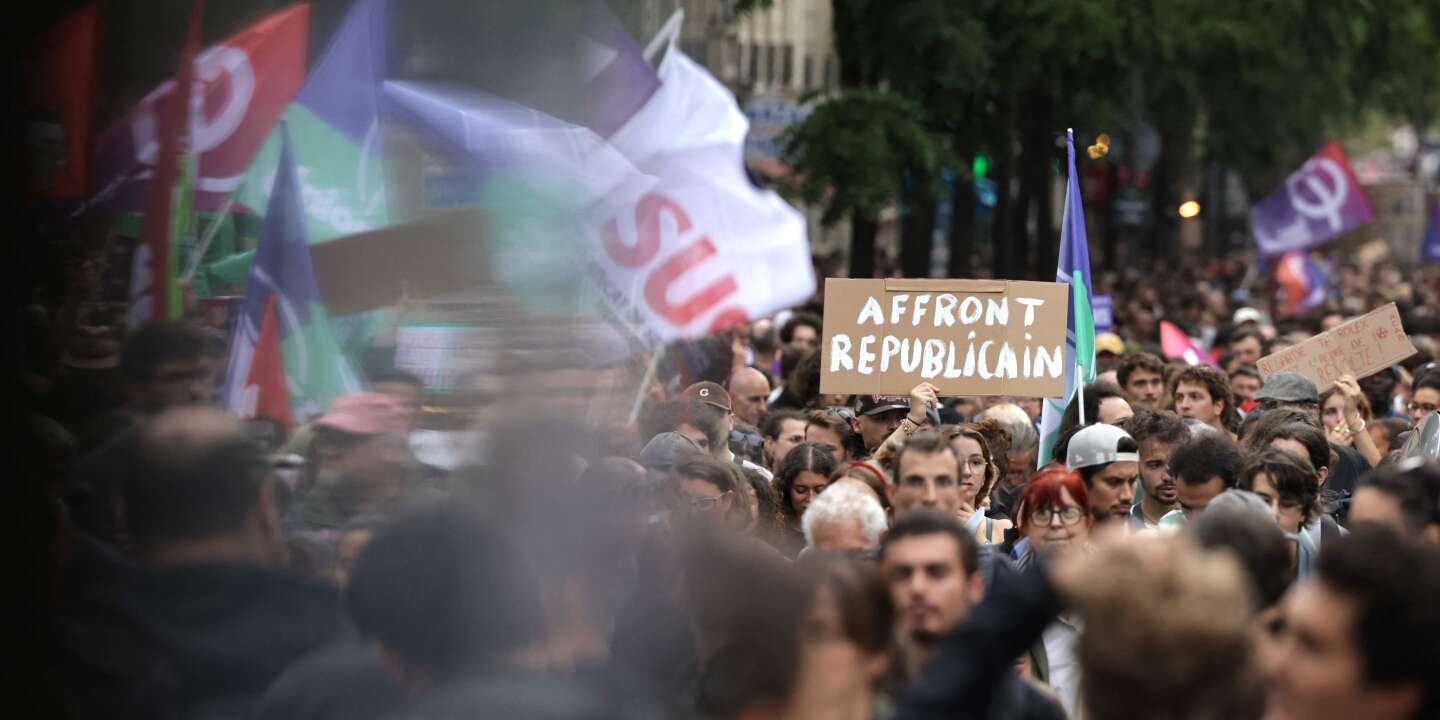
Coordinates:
x,y
1054,516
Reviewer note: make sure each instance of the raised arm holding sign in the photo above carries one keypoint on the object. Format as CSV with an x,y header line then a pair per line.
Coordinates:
x,y
1359,347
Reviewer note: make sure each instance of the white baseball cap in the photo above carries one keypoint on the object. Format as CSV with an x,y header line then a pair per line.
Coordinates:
x,y
1100,444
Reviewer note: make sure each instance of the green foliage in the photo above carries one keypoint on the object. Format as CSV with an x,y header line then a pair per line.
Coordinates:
x,y
855,148
1259,83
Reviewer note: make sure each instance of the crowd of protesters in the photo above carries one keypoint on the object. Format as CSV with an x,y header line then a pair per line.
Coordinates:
x,y
1199,542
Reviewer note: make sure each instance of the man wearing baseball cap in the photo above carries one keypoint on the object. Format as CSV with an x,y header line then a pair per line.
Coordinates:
x,y
359,461
712,395
878,416
1108,460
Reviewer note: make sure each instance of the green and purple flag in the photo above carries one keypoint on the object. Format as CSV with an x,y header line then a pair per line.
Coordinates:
x,y
283,334
334,125
1073,267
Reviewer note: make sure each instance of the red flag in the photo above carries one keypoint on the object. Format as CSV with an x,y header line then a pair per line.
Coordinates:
x,y
265,394
248,80
1176,345
150,281
62,92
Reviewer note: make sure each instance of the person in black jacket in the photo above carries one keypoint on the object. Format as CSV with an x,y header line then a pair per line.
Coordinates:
x,y
205,620
931,565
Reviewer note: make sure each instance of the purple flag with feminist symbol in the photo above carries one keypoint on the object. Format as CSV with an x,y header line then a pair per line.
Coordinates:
x,y
1319,201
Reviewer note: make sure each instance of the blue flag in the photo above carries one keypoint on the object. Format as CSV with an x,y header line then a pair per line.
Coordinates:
x,y
335,124
1073,267
1430,246
282,283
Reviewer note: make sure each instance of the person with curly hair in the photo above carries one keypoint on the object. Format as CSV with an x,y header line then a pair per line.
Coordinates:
x,y
804,474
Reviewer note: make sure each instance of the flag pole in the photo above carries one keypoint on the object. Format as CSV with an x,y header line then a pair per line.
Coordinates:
x,y
1080,392
209,237
645,380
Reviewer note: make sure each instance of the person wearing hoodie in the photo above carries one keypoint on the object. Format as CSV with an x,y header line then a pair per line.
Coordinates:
x,y
205,620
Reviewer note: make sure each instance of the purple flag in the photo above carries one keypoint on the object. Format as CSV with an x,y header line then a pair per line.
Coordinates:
x,y
1430,246
1319,201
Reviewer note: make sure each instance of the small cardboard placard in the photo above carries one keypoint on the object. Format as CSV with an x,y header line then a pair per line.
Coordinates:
x,y
1359,347
967,337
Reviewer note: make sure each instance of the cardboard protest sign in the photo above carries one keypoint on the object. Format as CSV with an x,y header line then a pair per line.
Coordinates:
x,y
377,268
968,337
1368,343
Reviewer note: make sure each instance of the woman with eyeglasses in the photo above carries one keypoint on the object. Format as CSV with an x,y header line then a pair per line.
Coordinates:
x,y
977,477
1055,519
804,474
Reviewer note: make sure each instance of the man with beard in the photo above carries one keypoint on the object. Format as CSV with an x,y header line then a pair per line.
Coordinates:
x,y
1108,460
1157,433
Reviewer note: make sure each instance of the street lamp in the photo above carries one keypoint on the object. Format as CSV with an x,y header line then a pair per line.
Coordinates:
x,y
1189,209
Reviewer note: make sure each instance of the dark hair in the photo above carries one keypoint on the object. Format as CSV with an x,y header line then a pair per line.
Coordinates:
x,y
787,331
1062,445
774,420
988,448
397,376
192,484
768,520
831,420
1205,456
1415,488
790,357
446,589
1430,380
1216,384
1294,479
866,609
1260,426
756,634
805,457
805,380
158,343
1160,425
1095,393
997,441
666,416
929,521
1247,332
763,342
1255,540
927,442
1249,371
1316,446
1138,361
1393,582
1392,427
709,359
707,469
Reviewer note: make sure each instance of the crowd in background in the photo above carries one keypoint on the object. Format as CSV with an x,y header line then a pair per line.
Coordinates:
x,y
1206,543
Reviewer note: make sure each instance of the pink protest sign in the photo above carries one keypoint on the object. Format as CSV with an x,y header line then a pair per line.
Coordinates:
x,y
1359,347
